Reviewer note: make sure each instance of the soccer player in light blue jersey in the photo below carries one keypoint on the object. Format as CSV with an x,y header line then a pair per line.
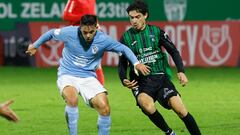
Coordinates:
x,y
83,49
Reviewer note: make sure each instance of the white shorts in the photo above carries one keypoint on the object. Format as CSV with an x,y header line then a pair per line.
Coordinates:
x,y
86,87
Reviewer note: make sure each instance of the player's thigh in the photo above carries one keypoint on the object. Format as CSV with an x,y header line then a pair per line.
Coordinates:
x,y
100,100
70,95
90,88
68,89
146,102
100,103
166,91
177,105
144,99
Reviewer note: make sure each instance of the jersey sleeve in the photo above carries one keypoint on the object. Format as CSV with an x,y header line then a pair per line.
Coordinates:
x,y
122,65
115,46
166,42
55,34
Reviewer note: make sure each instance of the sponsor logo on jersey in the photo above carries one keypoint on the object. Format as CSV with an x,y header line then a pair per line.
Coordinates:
x,y
94,49
152,37
134,42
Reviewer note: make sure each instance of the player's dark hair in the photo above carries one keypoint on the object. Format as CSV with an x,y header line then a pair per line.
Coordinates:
x,y
138,5
89,20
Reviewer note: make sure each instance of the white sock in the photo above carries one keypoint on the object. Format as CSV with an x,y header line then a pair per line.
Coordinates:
x,y
71,114
104,123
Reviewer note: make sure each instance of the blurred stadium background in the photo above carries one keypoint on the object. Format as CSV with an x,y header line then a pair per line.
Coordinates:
x,y
205,32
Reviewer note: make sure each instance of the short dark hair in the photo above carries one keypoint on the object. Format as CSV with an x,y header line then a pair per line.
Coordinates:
x,y
88,20
139,6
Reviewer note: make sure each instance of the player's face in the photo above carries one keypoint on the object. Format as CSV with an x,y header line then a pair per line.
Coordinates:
x,y
88,32
137,20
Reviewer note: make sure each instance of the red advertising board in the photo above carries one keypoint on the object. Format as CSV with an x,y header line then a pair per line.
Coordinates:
x,y
206,43
201,43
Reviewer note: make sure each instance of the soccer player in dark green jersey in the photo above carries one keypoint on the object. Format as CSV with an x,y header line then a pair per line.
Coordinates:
x,y
146,41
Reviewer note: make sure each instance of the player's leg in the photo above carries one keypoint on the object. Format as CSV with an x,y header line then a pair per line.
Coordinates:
x,y
169,98
70,95
95,95
177,105
100,75
71,110
146,102
100,103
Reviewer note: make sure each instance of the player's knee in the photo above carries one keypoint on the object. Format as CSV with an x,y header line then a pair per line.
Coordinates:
x,y
72,101
181,113
70,95
105,110
148,108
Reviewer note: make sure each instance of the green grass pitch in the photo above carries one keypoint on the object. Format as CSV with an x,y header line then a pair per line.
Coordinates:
x,y
212,96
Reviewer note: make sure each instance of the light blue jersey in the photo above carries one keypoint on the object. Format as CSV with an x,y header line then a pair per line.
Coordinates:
x,y
79,62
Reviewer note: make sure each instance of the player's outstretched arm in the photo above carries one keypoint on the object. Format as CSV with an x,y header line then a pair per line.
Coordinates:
x,y
7,112
31,50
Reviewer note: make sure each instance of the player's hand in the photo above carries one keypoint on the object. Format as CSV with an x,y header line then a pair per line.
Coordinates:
x,y
182,78
130,84
144,69
7,112
31,50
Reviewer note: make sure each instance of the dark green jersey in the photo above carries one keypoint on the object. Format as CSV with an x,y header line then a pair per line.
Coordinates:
x,y
146,46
